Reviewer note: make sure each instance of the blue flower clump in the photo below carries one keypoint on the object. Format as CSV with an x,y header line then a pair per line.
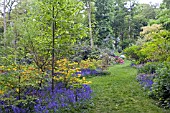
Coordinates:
x,y
146,80
46,100
87,72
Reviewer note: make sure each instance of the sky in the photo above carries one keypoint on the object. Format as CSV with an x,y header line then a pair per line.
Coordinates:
x,y
152,1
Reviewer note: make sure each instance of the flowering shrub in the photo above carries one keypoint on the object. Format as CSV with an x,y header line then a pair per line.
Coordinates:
x,y
20,76
27,89
118,60
90,64
65,70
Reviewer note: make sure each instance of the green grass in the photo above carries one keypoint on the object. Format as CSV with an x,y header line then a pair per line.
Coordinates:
x,y
121,93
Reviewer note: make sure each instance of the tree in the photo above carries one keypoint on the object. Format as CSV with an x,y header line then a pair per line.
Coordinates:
x,y
162,16
103,21
46,29
167,3
90,26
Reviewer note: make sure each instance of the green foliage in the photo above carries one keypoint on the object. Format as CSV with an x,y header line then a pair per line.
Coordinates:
x,y
161,86
126,43
132,52
162,18
158,48
149,68
154,48
84,52
103,27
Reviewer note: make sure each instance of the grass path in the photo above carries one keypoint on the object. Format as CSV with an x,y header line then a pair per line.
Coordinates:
x,y
121,93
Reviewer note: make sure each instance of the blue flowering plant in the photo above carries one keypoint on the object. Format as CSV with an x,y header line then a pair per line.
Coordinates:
x,y
69,92
145,80
46,100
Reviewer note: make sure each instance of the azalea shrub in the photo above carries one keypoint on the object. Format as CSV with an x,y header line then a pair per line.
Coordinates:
x,y
90,64
118,60
17,77
154,49
28,89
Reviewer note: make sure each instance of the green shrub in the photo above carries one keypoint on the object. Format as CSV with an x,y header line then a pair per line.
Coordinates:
x,y
161,86
132,52
84,52
149,68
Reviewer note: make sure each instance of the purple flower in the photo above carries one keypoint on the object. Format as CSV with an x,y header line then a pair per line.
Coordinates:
x,y
48,101
145,80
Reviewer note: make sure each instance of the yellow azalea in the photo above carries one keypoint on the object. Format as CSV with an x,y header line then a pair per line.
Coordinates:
x,y
84,78
31,68
23,73
2,67
14,69
88,82
1,92
77,69
60,78
37,81
68,75
70,64
75,63
80,81
55,78
79,75
17,90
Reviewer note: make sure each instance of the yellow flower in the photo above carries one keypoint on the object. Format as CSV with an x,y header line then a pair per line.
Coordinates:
x,y
14,69
79,75
2,67
1,92
88,82
17,89
84,78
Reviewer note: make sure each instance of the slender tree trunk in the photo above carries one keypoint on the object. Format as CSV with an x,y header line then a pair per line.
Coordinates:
x,y
90,27
53,44
4,16
130,18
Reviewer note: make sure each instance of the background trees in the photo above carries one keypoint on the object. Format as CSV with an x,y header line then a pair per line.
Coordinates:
x,y
114,24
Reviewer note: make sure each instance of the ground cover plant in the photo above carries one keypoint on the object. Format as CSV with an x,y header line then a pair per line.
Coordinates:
x,y
26,89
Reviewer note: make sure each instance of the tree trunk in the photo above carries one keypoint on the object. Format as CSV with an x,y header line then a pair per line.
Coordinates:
x,y
53,44
4,16
89,19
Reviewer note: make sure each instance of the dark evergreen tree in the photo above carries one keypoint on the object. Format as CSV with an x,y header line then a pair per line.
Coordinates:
x,y
103,27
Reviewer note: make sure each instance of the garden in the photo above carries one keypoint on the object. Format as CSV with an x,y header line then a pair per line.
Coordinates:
x,y
84,56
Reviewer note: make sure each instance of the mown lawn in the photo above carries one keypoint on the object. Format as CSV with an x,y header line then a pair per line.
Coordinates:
x,y
121,93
